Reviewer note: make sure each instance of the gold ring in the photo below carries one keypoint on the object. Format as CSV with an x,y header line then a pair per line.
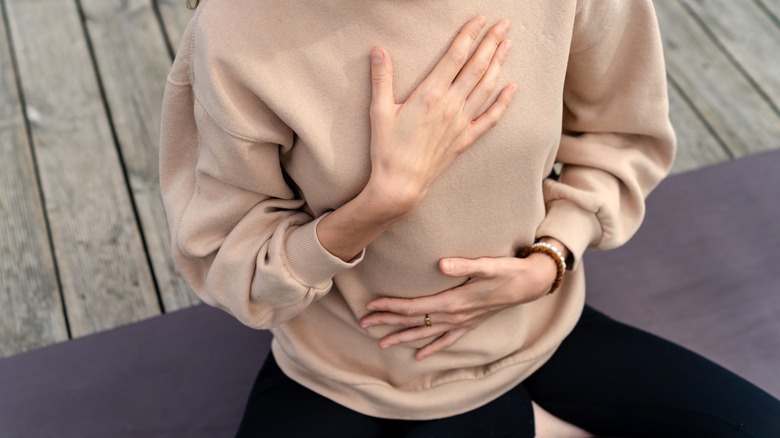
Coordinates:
x,y
427,320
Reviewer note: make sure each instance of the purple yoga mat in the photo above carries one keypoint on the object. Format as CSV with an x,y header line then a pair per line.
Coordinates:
x,y
183,374
704,268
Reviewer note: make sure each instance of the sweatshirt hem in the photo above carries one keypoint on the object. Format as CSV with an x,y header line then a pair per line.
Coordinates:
x,y
383,401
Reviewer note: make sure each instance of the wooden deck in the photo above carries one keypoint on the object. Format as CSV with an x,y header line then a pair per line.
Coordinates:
x,y
83,238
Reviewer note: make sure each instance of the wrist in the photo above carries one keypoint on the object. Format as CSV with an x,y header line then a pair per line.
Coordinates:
x,y
550,252
567,256
557,243
545,269
390,199
353,226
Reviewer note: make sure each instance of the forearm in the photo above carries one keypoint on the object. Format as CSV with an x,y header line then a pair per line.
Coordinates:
x,y
354,225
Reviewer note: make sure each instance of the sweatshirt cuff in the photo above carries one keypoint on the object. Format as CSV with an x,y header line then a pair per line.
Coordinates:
x,y
573,226
308,261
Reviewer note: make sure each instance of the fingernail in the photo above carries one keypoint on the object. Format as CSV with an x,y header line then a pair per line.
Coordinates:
x,y
376,56
482,22
505,25
513,90
506,45
447,265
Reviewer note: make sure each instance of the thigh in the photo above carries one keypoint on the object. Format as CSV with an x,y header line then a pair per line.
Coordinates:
x,y
280,407
615,380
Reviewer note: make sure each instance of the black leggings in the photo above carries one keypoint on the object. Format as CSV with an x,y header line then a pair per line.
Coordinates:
x,y
606,377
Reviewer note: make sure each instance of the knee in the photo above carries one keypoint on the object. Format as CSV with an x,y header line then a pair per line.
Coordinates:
x,y
548,425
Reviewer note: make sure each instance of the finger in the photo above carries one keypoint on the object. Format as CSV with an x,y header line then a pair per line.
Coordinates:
x,y
444,301
452,62
493,114
482,61
487,85
440,343
413,334
394,319
381,80
389,318
483,267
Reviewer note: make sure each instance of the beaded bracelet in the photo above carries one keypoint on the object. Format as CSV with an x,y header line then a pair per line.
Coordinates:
x,y
554,253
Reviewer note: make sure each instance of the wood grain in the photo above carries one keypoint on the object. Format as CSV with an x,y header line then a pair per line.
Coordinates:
x,y
30,305
175,16
729,102
133,63
696,146
104,274
773,7
750,38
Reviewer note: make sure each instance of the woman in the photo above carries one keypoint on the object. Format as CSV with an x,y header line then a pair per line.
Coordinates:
x,y
406,240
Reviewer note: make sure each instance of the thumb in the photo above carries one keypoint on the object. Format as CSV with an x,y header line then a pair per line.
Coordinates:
x,y
483,267
456,267
381,79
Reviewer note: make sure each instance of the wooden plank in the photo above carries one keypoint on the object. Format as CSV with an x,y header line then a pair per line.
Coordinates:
x,y
104,274
32,314
729,103
133,63
696,146
772,7
749,36
175,16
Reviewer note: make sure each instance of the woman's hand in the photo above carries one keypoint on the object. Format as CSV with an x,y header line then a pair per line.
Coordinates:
x,y
494,284
413,142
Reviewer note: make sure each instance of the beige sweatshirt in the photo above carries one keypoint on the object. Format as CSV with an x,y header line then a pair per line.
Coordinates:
x,y
265,130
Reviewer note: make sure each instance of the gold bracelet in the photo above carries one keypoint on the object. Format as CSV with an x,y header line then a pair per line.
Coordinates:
x,y
554,253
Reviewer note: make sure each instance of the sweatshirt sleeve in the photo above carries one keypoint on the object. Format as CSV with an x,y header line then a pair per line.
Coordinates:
x,y
617,141
240,236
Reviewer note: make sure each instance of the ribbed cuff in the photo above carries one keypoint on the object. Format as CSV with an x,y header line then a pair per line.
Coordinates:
x,y
308,261
575,227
